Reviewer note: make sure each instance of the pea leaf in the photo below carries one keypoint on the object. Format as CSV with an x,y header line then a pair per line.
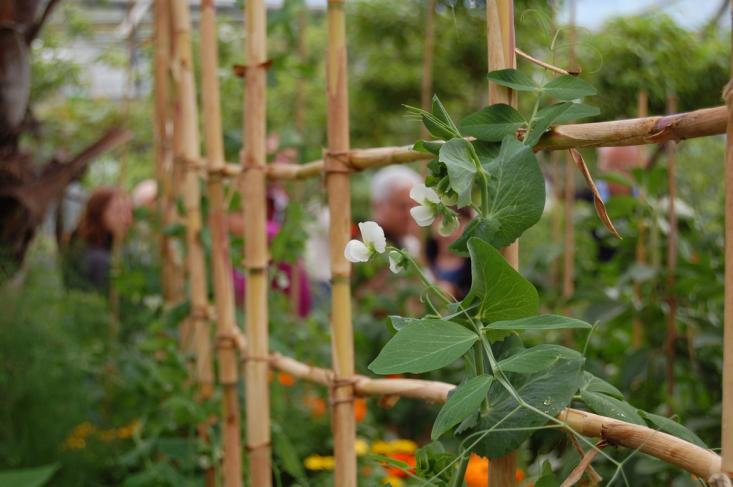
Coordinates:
x,y
442,114
422,346
595,384
537,358
492,123
455,154
611,407
516,191
541,322
514,79
542,122
548,391
568,87
28,477
427,146
502,292
575,111
462,402
673,428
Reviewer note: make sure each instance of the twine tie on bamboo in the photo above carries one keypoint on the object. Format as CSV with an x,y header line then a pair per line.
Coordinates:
x,y
338,162
240,70
335,384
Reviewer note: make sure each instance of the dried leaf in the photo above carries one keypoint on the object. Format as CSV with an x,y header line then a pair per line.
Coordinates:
x,y
597,201
584,464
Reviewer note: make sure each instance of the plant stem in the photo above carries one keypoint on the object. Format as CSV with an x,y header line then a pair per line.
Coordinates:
x,y
458,475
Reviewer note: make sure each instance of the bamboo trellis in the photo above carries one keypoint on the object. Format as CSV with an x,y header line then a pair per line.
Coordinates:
x,y
338,164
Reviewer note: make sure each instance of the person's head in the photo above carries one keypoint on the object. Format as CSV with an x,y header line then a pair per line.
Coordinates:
x,y
144,194
620,160
108,212
391,200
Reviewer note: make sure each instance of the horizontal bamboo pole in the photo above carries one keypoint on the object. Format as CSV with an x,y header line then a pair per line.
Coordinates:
x,y
670,449
635,131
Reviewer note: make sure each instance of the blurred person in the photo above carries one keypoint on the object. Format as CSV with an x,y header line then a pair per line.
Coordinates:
x,y
620,160
451,272
88,255
391,204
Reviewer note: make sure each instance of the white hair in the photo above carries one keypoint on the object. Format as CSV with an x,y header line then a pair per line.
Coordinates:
x,y
386,180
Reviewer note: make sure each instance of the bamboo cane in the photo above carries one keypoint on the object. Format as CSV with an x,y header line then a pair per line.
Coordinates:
x,y
426,85
671,336
635,131
727,428
637,330
568,275
501,55
188,147
668,448
339,204
222,271
255,214
171,277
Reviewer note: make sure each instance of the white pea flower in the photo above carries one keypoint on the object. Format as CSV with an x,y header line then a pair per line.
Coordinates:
x,y
428,201
397,262
373,242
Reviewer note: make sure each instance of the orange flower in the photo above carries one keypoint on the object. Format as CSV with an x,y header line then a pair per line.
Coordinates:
x,y
407,458
285,379
477,471
360,409
316,405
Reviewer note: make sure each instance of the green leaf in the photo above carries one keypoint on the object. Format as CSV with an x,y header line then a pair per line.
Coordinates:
x,y
549,391
575,111
286,453
427,146
568,87
463,401
541,322
442,114
595,384
423,346
399,322
28,477
514,79
493,123
502,292
541,123
673,428
456,155
516,191
537,358
611,407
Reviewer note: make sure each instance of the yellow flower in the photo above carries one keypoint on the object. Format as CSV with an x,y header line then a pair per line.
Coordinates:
x,y
394,481
381,447
317,462
361,447
403,446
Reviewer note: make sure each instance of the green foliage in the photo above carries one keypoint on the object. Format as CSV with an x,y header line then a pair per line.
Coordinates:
x,y
27,477
422,346
463,401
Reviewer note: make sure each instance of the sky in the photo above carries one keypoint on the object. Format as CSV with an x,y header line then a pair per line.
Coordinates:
x,y
592,14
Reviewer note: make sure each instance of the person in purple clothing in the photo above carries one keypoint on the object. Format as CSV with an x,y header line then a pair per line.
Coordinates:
x,y
285,285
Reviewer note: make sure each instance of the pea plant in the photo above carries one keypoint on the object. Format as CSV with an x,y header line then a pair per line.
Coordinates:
x,y
487,163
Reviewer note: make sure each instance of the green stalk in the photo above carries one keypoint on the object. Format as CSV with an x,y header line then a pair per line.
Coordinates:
x,y
458,475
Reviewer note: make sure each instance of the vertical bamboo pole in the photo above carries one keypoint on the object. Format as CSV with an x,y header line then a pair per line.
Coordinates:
x,y
426,86
187,149
223,287
568,277
255,214
637,328
671,337
727,427
339,204
556,169
172,278
501,45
